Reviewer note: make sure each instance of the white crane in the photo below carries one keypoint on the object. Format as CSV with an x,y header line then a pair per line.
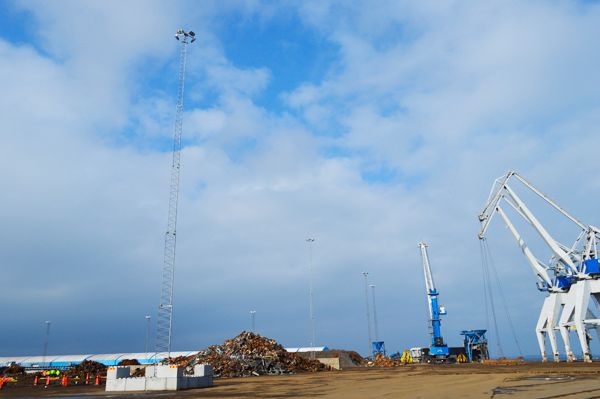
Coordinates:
x,y
570,277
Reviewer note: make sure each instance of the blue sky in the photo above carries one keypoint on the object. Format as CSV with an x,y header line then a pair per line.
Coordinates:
x,y
14,24
293,53
370,126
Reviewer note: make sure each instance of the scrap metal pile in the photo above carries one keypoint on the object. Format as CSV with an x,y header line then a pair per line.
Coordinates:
x,y
504,361
384,361
13,369
251,354
128,362
179,360
86,367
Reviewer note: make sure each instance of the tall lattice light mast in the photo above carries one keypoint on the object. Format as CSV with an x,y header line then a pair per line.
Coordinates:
x,y
165,309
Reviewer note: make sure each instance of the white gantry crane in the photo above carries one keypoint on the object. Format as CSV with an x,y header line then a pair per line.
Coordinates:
x,y
571,277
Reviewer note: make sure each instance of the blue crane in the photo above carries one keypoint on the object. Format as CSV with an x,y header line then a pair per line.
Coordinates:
x,y
438,349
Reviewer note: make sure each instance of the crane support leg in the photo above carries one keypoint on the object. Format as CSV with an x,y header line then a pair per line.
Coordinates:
x,y
583,290
597,329
577,314
565,322
582,299
546,325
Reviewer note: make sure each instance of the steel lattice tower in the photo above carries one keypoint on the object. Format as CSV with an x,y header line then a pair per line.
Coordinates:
x,y
165,309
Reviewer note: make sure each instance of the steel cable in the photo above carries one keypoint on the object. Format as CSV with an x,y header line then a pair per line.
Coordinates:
x,y
490,292
502,296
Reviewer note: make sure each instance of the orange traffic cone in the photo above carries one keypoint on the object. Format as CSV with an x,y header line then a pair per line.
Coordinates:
x,y
87,379
97,382
35,380
47,380
64,382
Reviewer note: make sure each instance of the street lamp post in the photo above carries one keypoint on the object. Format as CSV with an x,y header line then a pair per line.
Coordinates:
x,y
147,332
48,322
366,274
253,315
313,342
374,313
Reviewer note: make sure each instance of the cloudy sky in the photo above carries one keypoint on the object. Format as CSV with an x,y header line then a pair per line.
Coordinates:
x,y
368,125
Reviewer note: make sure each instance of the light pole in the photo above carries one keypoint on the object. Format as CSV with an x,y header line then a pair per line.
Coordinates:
x,y
164,317
253,315
313,342
147,332
366,274
48,322
374,313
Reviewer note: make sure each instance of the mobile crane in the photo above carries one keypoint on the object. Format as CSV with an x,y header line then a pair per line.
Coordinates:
x,y
571,279
438,350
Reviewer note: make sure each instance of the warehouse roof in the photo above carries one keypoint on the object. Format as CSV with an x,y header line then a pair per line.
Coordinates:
x,y
108,359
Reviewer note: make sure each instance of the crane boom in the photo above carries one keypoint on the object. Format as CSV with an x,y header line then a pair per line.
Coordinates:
x,y
563,268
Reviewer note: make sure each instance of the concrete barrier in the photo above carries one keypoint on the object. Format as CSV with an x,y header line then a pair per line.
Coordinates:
x,y
158,378
333,362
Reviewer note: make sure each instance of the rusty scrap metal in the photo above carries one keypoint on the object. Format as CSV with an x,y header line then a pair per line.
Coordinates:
x,y
385,361
250,354
87,366
129,362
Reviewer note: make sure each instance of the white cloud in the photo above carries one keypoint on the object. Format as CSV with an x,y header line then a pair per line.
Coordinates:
x,y
206,122
449,96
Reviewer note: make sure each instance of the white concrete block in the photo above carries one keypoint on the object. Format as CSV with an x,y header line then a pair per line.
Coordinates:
x,y
135,384
164,371
172,383
183,383
156,384
200,382
118,372
160,378
201,370
149,372
115,384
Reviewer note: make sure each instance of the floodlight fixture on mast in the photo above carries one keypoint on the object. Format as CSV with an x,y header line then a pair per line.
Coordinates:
x,y
183,36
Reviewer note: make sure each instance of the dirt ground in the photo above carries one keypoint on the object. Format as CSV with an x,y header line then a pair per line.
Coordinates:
x,y
532,380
